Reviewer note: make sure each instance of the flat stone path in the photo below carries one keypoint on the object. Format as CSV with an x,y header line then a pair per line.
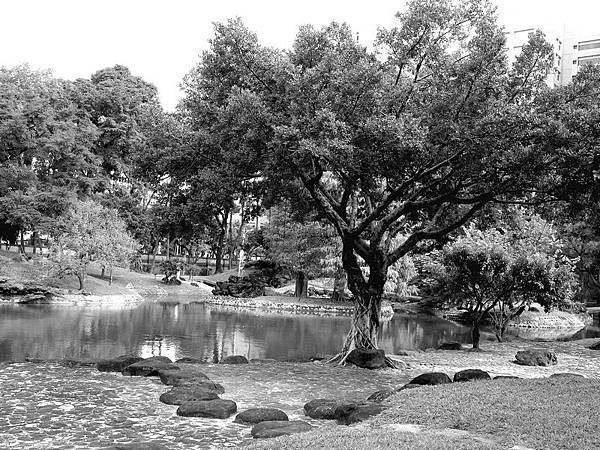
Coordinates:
x,y
47,405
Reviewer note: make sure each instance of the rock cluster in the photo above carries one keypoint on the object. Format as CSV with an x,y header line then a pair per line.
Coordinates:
x,y
265,274
25,292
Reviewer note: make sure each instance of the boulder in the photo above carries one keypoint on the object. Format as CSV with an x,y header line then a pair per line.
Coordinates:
x,y
507,377
536,357
215,409
367,358
234,359
189,360
181,394
350,413
257,415
149,367
380,396
470,375
321,408
178,377
450,346
117,364
431,379
272,429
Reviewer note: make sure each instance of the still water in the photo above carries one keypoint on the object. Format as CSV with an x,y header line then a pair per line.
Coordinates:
x,y
198,330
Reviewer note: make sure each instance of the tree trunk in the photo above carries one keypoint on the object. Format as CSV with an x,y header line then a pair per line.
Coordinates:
x,y
220,244
301,290
154,250
169,245
81,277
110,277
475,334
22,249
102,274
34,239
367,301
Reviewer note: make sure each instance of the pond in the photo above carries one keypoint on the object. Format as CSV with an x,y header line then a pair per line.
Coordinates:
x,y
198,330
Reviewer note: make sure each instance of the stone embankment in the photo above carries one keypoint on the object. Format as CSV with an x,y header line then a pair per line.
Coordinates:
x,y
306,305
30,293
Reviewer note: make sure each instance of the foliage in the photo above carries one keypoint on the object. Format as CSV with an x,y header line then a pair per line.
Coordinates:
x,y
502,271
413,139
90,233
310,247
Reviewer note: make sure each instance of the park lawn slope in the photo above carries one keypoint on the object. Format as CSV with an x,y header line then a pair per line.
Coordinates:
x,y
548,413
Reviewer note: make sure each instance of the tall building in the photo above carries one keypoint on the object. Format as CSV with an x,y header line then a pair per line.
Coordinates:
x,y
580,50
572,50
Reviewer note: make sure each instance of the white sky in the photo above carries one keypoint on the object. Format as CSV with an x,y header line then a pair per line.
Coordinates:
x,y
161,40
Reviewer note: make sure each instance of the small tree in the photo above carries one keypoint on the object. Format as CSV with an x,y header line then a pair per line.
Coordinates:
x,y
307,248
88,233
500,272
116,246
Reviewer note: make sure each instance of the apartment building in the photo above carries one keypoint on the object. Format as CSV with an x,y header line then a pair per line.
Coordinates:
x,y
572,50
580,50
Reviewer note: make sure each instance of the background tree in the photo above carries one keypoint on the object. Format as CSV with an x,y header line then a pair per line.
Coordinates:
x,y
310,248
498,272
89,233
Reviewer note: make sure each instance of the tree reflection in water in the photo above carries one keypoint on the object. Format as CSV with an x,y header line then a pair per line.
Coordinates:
x,y
202,331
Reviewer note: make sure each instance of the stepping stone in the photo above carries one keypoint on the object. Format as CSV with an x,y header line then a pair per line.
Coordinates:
x,y
380,396
566,375
352,413
234,359
536,357
69,362
321,408
189,360
272,429
214,409
470,375
149,367
139,446
431,379
117,364
450,346
178,377
179,395
409,386
506,377
257,415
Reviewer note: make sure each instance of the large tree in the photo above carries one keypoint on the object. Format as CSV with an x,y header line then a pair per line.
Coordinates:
x,y
412,140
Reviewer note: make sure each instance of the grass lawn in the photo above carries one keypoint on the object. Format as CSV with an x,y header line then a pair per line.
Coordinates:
x,y
548,413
